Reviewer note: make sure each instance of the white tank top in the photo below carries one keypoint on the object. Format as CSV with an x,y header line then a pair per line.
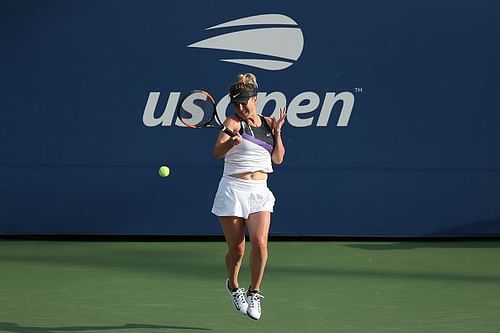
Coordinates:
x,y
253,153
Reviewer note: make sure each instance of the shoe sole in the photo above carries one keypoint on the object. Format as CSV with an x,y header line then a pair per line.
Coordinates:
x,y
249,316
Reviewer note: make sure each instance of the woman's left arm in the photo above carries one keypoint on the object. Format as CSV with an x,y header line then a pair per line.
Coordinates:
x,y
279,149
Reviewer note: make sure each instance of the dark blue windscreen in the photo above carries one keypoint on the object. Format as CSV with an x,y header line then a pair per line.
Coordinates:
x,y
393,125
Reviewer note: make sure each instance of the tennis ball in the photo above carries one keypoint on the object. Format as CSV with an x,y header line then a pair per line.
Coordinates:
x,y
164,171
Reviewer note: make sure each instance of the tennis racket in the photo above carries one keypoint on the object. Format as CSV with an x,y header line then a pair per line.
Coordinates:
x,y
197,109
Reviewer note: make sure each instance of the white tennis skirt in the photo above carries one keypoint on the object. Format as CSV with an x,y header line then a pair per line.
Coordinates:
x,y
241,197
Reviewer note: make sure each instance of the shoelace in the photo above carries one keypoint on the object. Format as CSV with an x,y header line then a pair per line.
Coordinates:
x,y
239,293
255,297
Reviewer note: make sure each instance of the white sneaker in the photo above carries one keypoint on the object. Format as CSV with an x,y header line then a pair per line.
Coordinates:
x,y
254,311
238,299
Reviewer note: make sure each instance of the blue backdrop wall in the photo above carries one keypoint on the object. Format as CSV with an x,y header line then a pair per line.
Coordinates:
x,y
393,125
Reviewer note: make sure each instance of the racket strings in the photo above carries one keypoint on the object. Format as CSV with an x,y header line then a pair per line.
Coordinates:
x,y
197,110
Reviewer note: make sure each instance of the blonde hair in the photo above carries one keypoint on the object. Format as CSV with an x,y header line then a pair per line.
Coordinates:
x,y
244,82
247,79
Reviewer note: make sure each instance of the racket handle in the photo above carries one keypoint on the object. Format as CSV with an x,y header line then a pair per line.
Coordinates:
x,y
228,131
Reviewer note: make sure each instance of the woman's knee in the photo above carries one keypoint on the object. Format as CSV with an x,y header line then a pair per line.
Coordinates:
x,y
236,250
259,243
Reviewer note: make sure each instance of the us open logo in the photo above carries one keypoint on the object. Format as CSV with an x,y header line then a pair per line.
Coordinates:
x,y
274,42
271,42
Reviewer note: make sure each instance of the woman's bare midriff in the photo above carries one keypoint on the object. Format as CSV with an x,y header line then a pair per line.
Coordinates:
x,y
257,175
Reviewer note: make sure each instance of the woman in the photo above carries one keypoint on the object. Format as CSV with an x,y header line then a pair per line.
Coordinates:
x,y
243,199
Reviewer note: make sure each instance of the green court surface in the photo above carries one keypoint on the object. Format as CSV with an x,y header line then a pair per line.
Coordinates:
x,y
49,287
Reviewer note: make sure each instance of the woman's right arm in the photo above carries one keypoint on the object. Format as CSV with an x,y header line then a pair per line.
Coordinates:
x,y
224,142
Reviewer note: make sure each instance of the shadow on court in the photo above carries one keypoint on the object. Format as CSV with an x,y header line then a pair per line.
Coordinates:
x,y
185,262
387,274
410,245
201,262
15,328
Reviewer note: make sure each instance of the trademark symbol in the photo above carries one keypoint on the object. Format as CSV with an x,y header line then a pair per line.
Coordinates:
x,y
358,90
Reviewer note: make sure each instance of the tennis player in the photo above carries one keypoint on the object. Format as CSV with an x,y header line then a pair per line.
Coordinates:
x,y
243,201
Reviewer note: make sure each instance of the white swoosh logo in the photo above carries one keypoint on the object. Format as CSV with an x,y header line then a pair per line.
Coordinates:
x,y
285,43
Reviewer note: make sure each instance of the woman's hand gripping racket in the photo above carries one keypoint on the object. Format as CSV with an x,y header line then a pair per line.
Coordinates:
x,y
197,109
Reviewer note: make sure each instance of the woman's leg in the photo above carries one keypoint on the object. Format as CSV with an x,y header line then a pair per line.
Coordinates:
x,y
234,232
258,229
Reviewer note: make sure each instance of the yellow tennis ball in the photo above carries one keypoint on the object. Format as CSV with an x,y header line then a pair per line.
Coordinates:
x,y
164,171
